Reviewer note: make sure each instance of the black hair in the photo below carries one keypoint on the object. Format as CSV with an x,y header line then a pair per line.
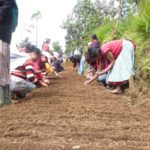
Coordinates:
x,y
31,48
93,36
93,63
71,58
93,51
47,40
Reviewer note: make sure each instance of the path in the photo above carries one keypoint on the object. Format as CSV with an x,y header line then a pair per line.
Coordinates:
x,y
68,114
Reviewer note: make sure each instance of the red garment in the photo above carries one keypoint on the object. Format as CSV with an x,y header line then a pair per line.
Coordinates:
x,y
39,76
37,64
46,47
104,61
96,66
117,83
22,50
114,46
25,71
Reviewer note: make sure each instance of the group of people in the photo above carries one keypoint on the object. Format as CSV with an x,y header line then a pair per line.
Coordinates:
x,y
29,70
32,71
111,63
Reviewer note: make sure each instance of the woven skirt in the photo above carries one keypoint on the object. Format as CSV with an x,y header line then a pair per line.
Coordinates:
x,y
124,65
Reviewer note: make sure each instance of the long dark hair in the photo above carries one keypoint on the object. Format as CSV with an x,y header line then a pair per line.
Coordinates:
x,y
93,51
94,37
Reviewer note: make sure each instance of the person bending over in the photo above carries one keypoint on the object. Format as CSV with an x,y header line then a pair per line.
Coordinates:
x,y
75,59
120,54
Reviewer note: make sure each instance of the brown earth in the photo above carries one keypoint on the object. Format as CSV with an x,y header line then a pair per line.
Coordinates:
x,y
68,115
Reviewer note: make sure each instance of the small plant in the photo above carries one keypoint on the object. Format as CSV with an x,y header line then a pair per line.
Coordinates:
x,y
139,103
127,99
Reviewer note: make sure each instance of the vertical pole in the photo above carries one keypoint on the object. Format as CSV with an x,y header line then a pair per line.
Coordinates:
x,y
5,95
36,33
132,87
1,96
6,89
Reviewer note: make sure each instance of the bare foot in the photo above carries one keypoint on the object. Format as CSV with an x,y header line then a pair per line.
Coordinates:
x,y
47,81
44,84
117,90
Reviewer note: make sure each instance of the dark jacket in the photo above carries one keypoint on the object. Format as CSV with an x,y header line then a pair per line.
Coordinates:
x,y
75,59
57,66
6,25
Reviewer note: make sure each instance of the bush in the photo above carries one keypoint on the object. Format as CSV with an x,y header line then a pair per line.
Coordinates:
x,y
142,21
103,32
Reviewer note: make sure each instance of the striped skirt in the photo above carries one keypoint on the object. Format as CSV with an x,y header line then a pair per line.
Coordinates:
x,y
4,63
124,65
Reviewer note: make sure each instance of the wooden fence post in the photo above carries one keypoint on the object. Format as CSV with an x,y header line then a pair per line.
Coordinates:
x,y
1,96
5,95
133,90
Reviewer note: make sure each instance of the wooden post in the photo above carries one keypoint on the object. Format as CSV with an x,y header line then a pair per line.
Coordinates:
x,y
133,90
5,95
1,96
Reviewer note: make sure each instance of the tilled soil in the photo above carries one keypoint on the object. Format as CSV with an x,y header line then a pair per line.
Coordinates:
x,y
68,115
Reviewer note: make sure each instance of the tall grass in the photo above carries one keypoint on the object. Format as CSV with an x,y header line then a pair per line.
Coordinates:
x,y
141,23
103,32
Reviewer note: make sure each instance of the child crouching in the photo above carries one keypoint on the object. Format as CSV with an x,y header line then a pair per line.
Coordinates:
x,y
23,78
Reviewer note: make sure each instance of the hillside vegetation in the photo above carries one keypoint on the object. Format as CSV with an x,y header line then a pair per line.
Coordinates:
x,y
100,18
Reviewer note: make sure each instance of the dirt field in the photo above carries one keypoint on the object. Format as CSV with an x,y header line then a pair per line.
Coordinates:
x,y
67,115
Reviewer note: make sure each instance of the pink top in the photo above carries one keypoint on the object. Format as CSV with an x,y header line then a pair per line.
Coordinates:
x,y
94,43
114,46
46,47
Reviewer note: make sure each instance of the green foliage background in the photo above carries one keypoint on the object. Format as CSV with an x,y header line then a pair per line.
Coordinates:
x,y
134,24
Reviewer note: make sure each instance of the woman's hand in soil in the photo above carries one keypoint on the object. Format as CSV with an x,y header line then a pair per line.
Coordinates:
x,y
89,71
99,73
86,82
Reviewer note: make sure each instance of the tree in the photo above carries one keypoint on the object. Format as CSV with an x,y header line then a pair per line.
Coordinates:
x,y
80,24
119,15
57,47
87,16
23,43
36,16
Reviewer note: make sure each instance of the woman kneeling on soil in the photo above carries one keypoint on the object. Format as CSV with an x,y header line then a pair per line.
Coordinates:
x,y
120,54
